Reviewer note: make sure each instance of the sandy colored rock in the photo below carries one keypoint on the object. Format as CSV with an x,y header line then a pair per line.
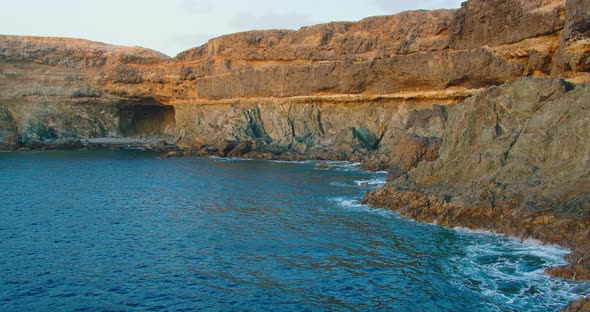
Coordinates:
x,y
342,90
491,23
574,49
72,88
410,151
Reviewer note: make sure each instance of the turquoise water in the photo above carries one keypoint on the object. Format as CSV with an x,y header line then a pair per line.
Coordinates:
x,y
118,231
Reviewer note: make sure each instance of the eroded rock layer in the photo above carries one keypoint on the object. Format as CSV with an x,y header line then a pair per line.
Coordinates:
x,y
436,97
52,89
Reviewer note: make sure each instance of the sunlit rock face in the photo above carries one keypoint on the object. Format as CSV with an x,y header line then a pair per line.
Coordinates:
x,y
344,90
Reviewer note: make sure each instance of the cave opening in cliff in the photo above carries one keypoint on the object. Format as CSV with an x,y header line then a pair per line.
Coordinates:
x,y
145,117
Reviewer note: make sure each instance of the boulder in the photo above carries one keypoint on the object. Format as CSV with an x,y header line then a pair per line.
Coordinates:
x,y
581,305
410,151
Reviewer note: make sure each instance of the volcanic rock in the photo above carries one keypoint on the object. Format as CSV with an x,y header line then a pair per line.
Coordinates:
x,y
513,159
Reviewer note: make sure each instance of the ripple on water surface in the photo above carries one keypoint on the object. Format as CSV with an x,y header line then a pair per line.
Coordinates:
x,y
130,231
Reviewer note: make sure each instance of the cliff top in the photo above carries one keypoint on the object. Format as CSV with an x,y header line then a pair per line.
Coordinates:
x,y
403,33
483,43
72,52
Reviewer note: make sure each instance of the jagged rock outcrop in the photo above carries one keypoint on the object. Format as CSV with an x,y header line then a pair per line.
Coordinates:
x,y
513,159
581,305
574,48
481,23
514,136
385,90
9,138
410,151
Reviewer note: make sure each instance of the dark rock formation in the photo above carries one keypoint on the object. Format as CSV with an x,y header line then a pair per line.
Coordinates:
x,y
9,138
582,305
410,151
574,48
320,128
514,159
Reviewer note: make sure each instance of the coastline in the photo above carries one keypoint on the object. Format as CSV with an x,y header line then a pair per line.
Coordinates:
x,y
421,206
430,209
425,251
480,114
539,226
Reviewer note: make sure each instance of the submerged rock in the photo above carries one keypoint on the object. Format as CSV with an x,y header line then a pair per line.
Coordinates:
x,y
324,166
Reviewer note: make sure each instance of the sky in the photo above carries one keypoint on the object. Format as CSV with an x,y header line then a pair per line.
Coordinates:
x,y
172,26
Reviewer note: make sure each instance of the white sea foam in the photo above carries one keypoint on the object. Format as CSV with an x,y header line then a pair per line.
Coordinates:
x,y
512,271
354,205
531,246
343,165
371,182
465,230
292,161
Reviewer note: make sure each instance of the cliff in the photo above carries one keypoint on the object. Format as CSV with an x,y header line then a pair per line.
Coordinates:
x,y
513,159
410,51
54,89
480,113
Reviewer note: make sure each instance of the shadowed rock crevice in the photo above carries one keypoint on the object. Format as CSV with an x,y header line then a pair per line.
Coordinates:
x,y
145,117
9,137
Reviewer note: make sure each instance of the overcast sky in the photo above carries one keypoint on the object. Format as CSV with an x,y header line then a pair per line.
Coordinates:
x,y
171,26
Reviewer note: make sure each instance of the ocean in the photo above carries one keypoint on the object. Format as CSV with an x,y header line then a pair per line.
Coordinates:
x,y
130,231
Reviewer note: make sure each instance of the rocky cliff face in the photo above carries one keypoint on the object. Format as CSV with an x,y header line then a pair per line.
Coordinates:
x,y
338,90
435,96
53,89
346,127
481,44
574,47
513,159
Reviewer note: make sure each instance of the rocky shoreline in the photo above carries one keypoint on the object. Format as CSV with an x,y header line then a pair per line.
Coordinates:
x,y
480,114
230,149
514,160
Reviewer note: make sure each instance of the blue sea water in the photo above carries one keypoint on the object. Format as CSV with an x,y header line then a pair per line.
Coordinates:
x,y
129,231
